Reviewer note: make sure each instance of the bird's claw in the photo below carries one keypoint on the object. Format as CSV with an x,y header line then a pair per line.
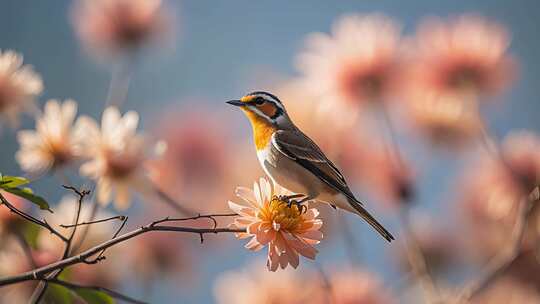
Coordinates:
x,y
302,208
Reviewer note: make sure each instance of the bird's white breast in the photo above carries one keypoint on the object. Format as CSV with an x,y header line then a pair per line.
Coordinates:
x,y
287,173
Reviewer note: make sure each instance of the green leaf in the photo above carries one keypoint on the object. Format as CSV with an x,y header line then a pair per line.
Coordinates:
x,y
30,233
59,294
92,296
28,194
12,181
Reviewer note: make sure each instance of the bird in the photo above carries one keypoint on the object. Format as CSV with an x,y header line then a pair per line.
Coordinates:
x,y
294,161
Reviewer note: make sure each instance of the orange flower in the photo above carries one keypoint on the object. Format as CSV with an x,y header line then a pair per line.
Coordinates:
x,y
466,53
270,221
354,65
116,25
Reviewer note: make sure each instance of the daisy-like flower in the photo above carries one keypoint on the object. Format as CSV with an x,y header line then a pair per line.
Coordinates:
x,y
116,25
116,155
19,86
51,145
269,220
465,53
356,64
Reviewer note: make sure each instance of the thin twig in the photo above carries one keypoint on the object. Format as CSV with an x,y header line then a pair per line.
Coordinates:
x,y
30,218
118,217
112,293
501,262
211,217
40,290
82,257
100,255
86,228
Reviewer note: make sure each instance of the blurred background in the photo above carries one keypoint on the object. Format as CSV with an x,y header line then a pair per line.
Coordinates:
x,y
213,52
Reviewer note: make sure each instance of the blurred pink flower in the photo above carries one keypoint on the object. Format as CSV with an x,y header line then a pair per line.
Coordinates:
x,y
115,155
156,255
444,118
197,166
19,86
286,230
465,53
356,286
491,193
366,160
355,63
109,26
51,145
255,285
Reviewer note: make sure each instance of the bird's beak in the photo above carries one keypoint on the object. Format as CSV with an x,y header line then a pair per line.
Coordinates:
x,y
237,103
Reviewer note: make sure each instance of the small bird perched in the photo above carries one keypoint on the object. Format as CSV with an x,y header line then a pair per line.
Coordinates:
x,y
291,159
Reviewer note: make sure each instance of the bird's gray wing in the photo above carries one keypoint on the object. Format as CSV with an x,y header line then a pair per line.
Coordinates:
x,y
300,148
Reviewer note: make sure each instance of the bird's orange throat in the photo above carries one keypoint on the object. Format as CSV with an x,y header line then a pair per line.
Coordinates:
x,y
262,130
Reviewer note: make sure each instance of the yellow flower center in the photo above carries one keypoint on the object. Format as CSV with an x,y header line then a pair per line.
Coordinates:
x,y
281,216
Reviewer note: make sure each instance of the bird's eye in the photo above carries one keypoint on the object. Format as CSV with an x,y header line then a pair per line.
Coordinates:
x,y
259,101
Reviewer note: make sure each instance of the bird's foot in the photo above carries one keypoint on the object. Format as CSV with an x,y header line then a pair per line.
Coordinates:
x,y
301,207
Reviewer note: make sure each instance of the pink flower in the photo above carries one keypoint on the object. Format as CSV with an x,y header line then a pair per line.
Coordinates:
x,y
19,86
254,285
466,53
370,162
198,164
356,64
50,146
446,119
116,25
270,221
491,193
355,286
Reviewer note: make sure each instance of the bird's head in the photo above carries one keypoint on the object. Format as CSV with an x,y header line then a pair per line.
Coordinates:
x,y
263,107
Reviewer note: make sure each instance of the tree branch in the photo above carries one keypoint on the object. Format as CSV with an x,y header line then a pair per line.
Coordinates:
x,y
118,217
82,257
30,218
40,290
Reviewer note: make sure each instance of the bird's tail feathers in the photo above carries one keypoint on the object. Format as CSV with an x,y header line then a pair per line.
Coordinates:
x,y
371,220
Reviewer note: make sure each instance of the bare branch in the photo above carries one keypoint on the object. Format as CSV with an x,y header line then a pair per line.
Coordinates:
x,y
42,272
118,217
40,290
100,255
30,218
110,292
